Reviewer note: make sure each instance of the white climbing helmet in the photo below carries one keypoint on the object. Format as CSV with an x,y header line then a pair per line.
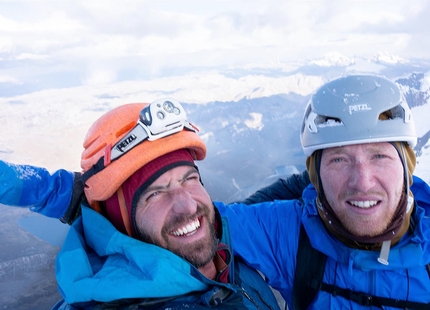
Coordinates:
x,y
356,109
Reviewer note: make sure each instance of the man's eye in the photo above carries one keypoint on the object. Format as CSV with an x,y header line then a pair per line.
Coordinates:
x,y
152,195
192,178
337,160
380,156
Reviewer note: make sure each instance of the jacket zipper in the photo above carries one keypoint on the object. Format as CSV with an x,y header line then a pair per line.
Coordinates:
x,y
245,293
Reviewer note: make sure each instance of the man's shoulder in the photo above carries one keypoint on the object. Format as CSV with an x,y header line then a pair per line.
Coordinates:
x,y
309,193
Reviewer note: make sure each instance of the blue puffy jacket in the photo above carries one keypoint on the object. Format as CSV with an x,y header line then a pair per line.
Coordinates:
x,y
98,263
36,188
56,195
266,235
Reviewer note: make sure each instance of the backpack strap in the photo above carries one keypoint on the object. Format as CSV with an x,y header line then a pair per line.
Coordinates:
x,y
310,267
370,300
428,269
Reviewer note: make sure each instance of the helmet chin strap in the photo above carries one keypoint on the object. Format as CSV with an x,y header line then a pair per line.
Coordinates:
x,y
386,245
385,252
405,167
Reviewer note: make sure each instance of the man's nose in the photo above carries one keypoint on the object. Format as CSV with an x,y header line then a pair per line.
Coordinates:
x,y
361,176
183,202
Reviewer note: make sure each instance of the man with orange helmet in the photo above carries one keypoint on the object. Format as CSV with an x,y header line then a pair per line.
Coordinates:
x,y
149,235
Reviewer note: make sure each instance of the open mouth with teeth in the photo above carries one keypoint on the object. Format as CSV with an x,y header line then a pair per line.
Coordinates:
x,y
188,229
364,204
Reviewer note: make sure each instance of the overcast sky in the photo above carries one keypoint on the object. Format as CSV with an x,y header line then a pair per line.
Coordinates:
x,y
46,44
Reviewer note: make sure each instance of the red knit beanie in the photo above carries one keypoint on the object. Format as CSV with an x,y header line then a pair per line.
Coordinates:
x,y
120,207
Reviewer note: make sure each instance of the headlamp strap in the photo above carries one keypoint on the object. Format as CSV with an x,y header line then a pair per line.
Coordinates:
x,y
97,167
136,136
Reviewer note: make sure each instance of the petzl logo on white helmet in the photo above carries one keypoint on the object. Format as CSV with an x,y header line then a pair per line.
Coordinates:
x,y
359,108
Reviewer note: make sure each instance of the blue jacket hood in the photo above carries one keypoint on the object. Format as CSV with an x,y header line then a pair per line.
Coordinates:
x,y
116,260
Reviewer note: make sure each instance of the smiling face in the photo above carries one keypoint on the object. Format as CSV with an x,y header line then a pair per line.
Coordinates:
x,y
175,212
363,184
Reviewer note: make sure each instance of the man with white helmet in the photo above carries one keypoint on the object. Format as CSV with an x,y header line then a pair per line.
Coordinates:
x,y
360,217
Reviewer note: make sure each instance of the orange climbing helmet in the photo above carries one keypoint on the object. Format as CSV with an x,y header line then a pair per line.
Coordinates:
x,y
128,137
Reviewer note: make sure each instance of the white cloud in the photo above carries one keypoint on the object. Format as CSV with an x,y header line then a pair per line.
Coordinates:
x,y
24,56
8,79
104,41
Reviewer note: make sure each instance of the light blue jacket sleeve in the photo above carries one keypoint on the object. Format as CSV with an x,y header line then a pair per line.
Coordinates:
x,y
35,188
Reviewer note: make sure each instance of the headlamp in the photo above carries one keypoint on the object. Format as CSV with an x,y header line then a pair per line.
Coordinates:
x,y
159,119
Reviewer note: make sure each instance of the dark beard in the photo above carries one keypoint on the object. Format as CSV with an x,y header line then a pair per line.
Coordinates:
x,y
201,252
198,253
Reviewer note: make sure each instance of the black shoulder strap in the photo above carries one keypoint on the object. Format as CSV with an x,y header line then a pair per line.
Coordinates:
x,y
375,301
310,267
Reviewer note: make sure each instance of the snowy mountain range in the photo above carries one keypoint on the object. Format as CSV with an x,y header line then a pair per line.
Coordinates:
x,y
249,118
